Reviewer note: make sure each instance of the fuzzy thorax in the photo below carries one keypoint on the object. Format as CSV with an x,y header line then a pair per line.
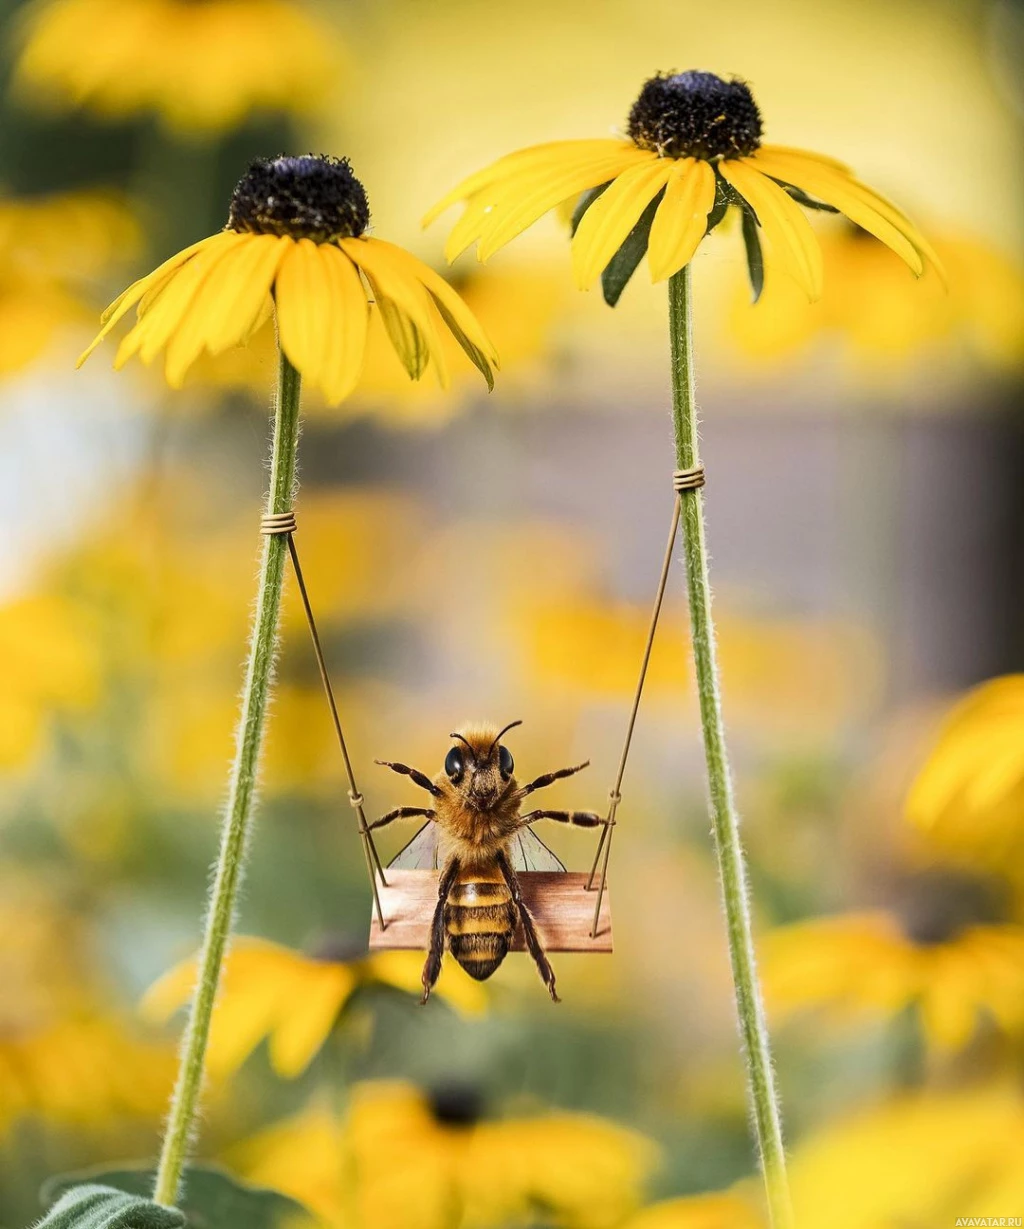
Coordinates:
x,y
696,115
309,197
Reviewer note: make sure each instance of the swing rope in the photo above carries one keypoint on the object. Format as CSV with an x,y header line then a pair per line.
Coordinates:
x,y
683,481
284,523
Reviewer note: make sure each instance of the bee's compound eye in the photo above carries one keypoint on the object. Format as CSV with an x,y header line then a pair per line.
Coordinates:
x,y
453,764
505,762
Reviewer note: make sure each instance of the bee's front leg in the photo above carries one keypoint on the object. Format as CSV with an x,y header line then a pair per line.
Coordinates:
x,y
435,953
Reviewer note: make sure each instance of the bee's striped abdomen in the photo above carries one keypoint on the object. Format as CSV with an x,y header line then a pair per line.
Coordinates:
x,y
480,919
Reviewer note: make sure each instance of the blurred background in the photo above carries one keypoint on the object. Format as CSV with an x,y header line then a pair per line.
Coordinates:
x,y
494,557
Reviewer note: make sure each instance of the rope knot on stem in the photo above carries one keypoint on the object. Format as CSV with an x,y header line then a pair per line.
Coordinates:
x,y
274,523
691,479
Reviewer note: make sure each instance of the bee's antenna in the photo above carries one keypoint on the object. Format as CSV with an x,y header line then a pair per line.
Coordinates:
x,y
511,726
463,740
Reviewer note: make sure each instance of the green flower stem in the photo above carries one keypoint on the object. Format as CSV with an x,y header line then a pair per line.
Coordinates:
x,y
241,793
723,808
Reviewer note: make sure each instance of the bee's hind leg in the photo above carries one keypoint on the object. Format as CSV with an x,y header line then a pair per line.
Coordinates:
x,y
435,952
533,943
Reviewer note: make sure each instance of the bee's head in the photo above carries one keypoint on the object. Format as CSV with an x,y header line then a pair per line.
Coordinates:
x,y
478,765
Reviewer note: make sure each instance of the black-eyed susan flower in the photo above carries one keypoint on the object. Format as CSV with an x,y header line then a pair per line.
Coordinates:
x,y
294,1000
968,797
881,320
947,947
202,66
409,1159
693,149
916,1160
295,245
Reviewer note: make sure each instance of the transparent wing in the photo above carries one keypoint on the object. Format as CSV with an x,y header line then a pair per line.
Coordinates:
x,y
421,852
529,853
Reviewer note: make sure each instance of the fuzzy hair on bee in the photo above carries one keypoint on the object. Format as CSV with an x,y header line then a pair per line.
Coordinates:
x,y
477,836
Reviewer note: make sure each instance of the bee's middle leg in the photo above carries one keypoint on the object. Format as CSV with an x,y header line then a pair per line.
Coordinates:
x,y
435,952
533,943
578,819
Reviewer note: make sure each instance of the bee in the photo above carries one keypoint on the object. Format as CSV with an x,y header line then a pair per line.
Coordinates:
x,y
478,837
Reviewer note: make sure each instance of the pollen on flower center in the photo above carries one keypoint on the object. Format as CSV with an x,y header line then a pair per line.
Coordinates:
x,y
309,197
696,115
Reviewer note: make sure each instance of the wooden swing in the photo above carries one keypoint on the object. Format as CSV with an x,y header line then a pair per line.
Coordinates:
x,y
571,913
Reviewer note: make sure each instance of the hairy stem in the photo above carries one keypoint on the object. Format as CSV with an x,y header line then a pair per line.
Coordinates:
x,y
227,872
729,850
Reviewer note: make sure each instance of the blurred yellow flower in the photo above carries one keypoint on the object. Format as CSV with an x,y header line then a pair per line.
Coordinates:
x,y
33,314
51,667
295,247
68,236
916,1162
968,798
516,307
51,248
80,1070
943,952
63,1055
694,150
295,1001
814,671
722,1210
405,1159
871,307
202,66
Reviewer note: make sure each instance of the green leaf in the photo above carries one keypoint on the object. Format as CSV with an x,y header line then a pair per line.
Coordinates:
x,y
623,264
95,1206
755,257
409,343
475,355
802,198
724,197
583,204
212,1199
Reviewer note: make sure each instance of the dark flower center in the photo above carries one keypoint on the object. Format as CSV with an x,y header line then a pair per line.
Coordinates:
x,y
456,1104
938,905
310,197
339,948
695,115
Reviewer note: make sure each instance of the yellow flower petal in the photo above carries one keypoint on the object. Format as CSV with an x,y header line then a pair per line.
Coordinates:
x,y
350,319
307,1019
682,217
237,296
404,971
551,153
464,326
785,151
303,297
163,312
854,199
405,306
258,977
127,299
612,216
783,221
520,208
